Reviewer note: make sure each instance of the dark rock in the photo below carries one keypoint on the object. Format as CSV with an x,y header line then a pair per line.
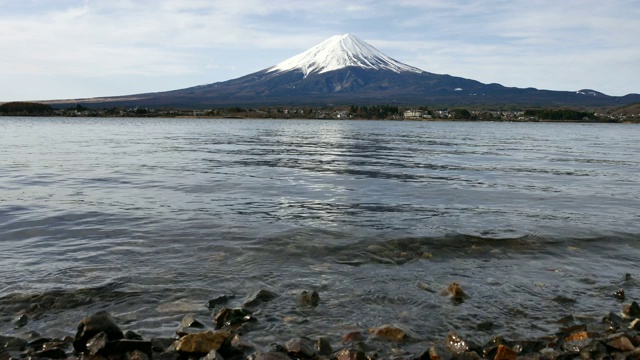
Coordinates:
x,y
260,297
54,353
631,310
456,292
213,355
433,353
563,300
275,347
352,336
350,354
38,342
389,332
136,355
97,343
485,326
619,342
627,277
271,356
613,319
92,325
527,346
8,343
219,300
161,344
201,343
300,348
229,317
241,346
323,346
575,346
21,321
619,295
189,325
131,335
309,298
123,346
455,344
169,355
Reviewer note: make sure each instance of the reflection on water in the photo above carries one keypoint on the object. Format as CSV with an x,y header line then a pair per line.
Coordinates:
x,y
152,218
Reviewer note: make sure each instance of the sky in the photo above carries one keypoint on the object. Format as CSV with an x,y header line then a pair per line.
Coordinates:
x,y
63,49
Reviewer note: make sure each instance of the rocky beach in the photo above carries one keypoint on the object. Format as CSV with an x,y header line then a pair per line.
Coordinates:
x,y
227,334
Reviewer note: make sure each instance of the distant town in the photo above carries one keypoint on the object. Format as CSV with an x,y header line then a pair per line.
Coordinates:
x,y
626,114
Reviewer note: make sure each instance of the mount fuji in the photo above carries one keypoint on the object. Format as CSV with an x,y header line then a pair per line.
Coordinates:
x,y
345,70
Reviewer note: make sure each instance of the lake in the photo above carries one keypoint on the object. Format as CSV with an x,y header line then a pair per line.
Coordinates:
x,y
151,218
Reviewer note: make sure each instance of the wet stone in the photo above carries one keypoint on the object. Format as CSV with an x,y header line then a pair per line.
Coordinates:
x,y
619,342
389,332
455,344
352,336
123,346
309,298
563,300
189,325
136,355
219,300
8,343
161,344
577,345
21,321
619,295
270,356
259,298
613,319
55,353
213,355
485,326
92,325
580,335
97,343
300,348
631,310
505,353
131,335
350,354
456,292
323,346
201,343
229,317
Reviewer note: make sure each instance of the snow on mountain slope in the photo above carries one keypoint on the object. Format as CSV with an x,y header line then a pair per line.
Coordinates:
x,y
341,51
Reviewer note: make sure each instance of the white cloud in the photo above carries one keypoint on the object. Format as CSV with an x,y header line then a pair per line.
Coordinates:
x,y
546,44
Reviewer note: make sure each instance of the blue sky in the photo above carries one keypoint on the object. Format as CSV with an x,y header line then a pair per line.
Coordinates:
x,y
55,49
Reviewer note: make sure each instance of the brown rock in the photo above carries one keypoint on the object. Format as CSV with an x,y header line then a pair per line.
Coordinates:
x,y
620,342
201,343
456,292
389,332
351,354
455,344
136,355
505,353
309,298
577,336
352,336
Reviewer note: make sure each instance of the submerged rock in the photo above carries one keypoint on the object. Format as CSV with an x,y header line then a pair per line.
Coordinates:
x,y
619,295
389,332
258,298
455,344
456,292
309,298
21,321
231,316
218,300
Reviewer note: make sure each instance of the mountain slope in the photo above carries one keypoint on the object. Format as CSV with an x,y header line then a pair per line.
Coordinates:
x,y
347,70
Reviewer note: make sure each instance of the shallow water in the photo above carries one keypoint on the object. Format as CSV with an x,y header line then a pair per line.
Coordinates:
x,y
150,218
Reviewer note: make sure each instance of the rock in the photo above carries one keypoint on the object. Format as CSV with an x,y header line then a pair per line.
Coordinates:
x,y
631,311
455,344
323,346
527,346
161,344
136,355
271,356
219,300
131,335
97,343
20,321
189,325
9,343
619,295
54,353
456,292
619,342
563,300
505,353
229,317
309,298
300,348
124,346
580,335
201,343
389,332
257,299
635,324
92,325
213,355
485,326
613,319
350,354
352,336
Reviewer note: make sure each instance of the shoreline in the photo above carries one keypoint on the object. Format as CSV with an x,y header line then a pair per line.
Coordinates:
x,y
228,335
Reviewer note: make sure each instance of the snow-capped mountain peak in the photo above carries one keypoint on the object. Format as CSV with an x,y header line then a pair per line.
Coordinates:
x,y
342,51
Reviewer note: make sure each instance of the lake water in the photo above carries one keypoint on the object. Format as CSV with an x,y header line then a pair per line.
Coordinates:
x,y
151,218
